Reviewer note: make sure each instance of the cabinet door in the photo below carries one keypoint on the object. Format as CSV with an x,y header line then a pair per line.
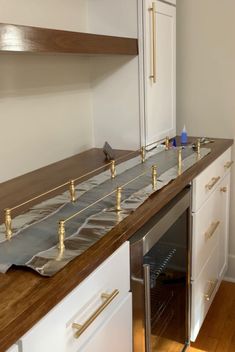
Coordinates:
x,y
224,190
160,62
116,333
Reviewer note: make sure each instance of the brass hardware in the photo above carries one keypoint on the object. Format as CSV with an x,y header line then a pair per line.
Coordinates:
x,y
179,161
210,232
223,189
143,154
153,74
212,183
212,286
8,224
113,169
108,298
154,177
228,164
199,147
167,143
72,191
118,198
61,235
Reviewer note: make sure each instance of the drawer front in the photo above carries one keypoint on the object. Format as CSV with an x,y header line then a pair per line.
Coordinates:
x,y
204,289
207,224
207,181
116,333
103,289
225,162
224,231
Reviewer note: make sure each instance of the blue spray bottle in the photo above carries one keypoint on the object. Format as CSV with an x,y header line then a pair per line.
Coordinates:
x,y
184,136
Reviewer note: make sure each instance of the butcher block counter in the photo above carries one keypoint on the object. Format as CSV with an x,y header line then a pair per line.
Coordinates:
x,y
25,297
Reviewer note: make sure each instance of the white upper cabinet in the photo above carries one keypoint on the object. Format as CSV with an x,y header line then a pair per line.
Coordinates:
x,y
159,70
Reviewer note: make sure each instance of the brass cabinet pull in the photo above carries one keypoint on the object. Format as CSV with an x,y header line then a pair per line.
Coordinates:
x,y
108,298
228,164
223,189
153,75
210,232
212,286
212,183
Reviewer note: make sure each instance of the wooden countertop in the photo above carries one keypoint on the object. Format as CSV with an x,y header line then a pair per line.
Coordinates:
x,y
25,297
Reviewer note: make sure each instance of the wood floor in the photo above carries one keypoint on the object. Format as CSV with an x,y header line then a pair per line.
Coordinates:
x,y
218,331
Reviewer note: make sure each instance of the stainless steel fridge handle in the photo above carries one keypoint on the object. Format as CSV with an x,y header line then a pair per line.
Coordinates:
x,y
147,307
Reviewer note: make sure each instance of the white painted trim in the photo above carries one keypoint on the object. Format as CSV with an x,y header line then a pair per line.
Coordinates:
x,y
230,274
229,279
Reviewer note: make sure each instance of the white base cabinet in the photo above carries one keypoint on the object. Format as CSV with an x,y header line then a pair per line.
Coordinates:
x,y
102,304
210,227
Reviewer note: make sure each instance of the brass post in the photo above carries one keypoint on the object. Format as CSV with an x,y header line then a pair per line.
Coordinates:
x,y
198,148
180,161
8,224
167,143
72,190
61,235
154,177
143,154
118,198
113,169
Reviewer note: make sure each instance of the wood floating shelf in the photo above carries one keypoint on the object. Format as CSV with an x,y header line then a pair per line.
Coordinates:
x,y
17,38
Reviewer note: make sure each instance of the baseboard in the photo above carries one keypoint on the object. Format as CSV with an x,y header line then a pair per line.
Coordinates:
x,y
230,274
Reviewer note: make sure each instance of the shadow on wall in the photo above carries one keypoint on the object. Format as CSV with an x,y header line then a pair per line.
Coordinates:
x,y
41,74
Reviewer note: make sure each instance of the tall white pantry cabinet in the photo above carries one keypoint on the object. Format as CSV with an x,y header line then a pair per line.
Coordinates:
x,y
158,54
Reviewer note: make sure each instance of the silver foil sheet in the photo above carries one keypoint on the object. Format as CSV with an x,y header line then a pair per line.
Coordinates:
x,y
34,242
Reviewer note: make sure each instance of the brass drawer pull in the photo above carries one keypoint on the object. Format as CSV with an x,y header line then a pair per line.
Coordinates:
x,y
212,183
210,232
153,75
212,286
108,298
228,164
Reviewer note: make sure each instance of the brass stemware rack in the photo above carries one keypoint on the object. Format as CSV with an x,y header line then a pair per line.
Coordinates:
x,y
72,191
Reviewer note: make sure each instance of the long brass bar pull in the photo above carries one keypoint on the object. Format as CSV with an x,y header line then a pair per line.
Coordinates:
x,y
210,232
212,286
228,164
153,74
212,183
108,298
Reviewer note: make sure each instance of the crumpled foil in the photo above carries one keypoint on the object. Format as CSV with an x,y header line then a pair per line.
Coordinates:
x,y
35,234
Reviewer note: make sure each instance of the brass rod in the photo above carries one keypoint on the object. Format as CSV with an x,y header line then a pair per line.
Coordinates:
x,y
89,206
128,154
135,178
68,182
102,198
39,196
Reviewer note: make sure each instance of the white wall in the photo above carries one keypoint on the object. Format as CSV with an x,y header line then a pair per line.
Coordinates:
x,y
206,76
45,100
54,106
